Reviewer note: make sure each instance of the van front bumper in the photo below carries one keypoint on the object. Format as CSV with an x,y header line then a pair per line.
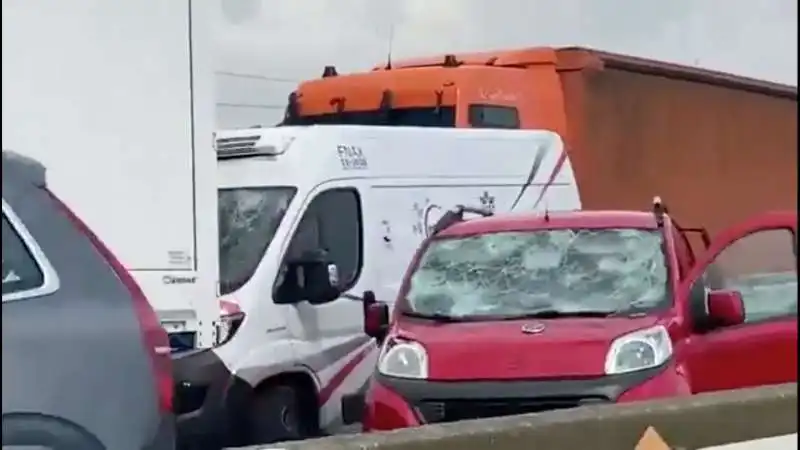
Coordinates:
x,y
392,403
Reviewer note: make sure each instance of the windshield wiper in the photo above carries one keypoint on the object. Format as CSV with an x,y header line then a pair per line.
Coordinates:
x,y
436,317
556,314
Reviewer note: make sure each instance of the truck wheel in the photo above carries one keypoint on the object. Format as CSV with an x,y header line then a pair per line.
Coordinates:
x,y
276,416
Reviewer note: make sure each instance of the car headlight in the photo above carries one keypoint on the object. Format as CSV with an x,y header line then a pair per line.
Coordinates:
x,y
642,349
403,359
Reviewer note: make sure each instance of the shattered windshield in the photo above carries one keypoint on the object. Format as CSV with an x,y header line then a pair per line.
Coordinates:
x,y
248,220
520,273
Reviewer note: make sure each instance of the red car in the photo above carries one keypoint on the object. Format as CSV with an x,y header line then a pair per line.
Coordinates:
x,y
523,313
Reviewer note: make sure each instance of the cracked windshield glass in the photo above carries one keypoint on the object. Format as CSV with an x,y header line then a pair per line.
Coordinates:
x,y
521,273
248,220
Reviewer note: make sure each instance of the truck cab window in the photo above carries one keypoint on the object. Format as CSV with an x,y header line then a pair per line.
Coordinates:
x,y
20,270
442,117
493,116
332,222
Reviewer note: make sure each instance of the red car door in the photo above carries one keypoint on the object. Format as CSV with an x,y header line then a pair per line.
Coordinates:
x,y
757,258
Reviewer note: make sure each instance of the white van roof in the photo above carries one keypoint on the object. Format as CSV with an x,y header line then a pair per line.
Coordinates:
x,y
314,154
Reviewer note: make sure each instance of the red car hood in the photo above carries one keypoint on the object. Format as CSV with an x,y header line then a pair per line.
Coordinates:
x,y
568,347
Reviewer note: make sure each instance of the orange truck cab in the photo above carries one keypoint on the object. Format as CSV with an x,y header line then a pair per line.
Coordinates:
x,y
530,312
632,127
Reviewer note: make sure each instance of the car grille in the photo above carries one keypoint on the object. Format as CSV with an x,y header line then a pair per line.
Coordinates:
x,y
436,411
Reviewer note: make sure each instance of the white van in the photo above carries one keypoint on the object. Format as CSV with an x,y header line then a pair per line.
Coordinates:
x,y
364,198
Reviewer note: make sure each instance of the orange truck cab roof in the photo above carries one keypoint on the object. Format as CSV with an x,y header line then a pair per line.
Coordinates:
x,y
435,91
500,89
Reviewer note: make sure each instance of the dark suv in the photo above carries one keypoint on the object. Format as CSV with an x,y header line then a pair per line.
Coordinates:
x,y
85,360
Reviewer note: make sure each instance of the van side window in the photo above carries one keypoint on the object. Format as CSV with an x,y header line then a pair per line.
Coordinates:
x,y
762,266
21,272
493,116
333,222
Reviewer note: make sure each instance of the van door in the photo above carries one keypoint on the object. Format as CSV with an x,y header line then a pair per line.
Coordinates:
x,y
330,338
758,258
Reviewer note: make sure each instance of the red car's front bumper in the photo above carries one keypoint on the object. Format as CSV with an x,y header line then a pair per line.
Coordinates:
x,y
392,403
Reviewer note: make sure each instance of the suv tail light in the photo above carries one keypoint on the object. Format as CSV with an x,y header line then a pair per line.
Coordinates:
x,y
154,335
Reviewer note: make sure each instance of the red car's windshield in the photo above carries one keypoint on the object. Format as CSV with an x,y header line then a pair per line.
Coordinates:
x,y
521,273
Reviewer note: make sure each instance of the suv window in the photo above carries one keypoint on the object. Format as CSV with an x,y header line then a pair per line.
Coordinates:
x,y
493,116
333,222
21,272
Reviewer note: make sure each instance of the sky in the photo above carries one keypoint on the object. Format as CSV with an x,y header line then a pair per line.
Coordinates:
x,y
280,42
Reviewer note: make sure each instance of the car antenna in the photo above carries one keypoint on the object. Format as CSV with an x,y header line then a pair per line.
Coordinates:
x,y
659,210
391,45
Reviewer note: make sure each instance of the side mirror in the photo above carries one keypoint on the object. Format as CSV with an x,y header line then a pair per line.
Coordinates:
x,y
725,308
376,317
313,278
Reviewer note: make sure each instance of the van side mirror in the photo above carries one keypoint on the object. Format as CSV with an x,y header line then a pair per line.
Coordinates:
x,y
725,308
376,317
312,277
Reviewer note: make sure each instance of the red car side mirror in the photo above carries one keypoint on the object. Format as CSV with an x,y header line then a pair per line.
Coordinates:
x,y
725,308
376,320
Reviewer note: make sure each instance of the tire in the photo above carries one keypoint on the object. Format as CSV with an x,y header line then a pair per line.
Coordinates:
x,y
277,416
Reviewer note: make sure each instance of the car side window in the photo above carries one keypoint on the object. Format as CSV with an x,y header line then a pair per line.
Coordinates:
x,y
762,266
333,222
21,272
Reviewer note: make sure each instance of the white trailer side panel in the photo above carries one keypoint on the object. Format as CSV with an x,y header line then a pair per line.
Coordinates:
x,y
116,99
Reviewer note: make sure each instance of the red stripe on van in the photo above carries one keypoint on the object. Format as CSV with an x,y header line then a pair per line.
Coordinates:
x,y
338,378
562,158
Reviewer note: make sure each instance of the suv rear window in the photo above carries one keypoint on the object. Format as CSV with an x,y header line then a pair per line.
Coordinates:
x,y
21,272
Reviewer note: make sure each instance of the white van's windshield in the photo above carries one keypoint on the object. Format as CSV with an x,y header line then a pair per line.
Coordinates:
x,y
248,220
552,272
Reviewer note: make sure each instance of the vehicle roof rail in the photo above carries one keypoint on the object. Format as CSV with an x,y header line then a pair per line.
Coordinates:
x,y
659,210
22,166
456,215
